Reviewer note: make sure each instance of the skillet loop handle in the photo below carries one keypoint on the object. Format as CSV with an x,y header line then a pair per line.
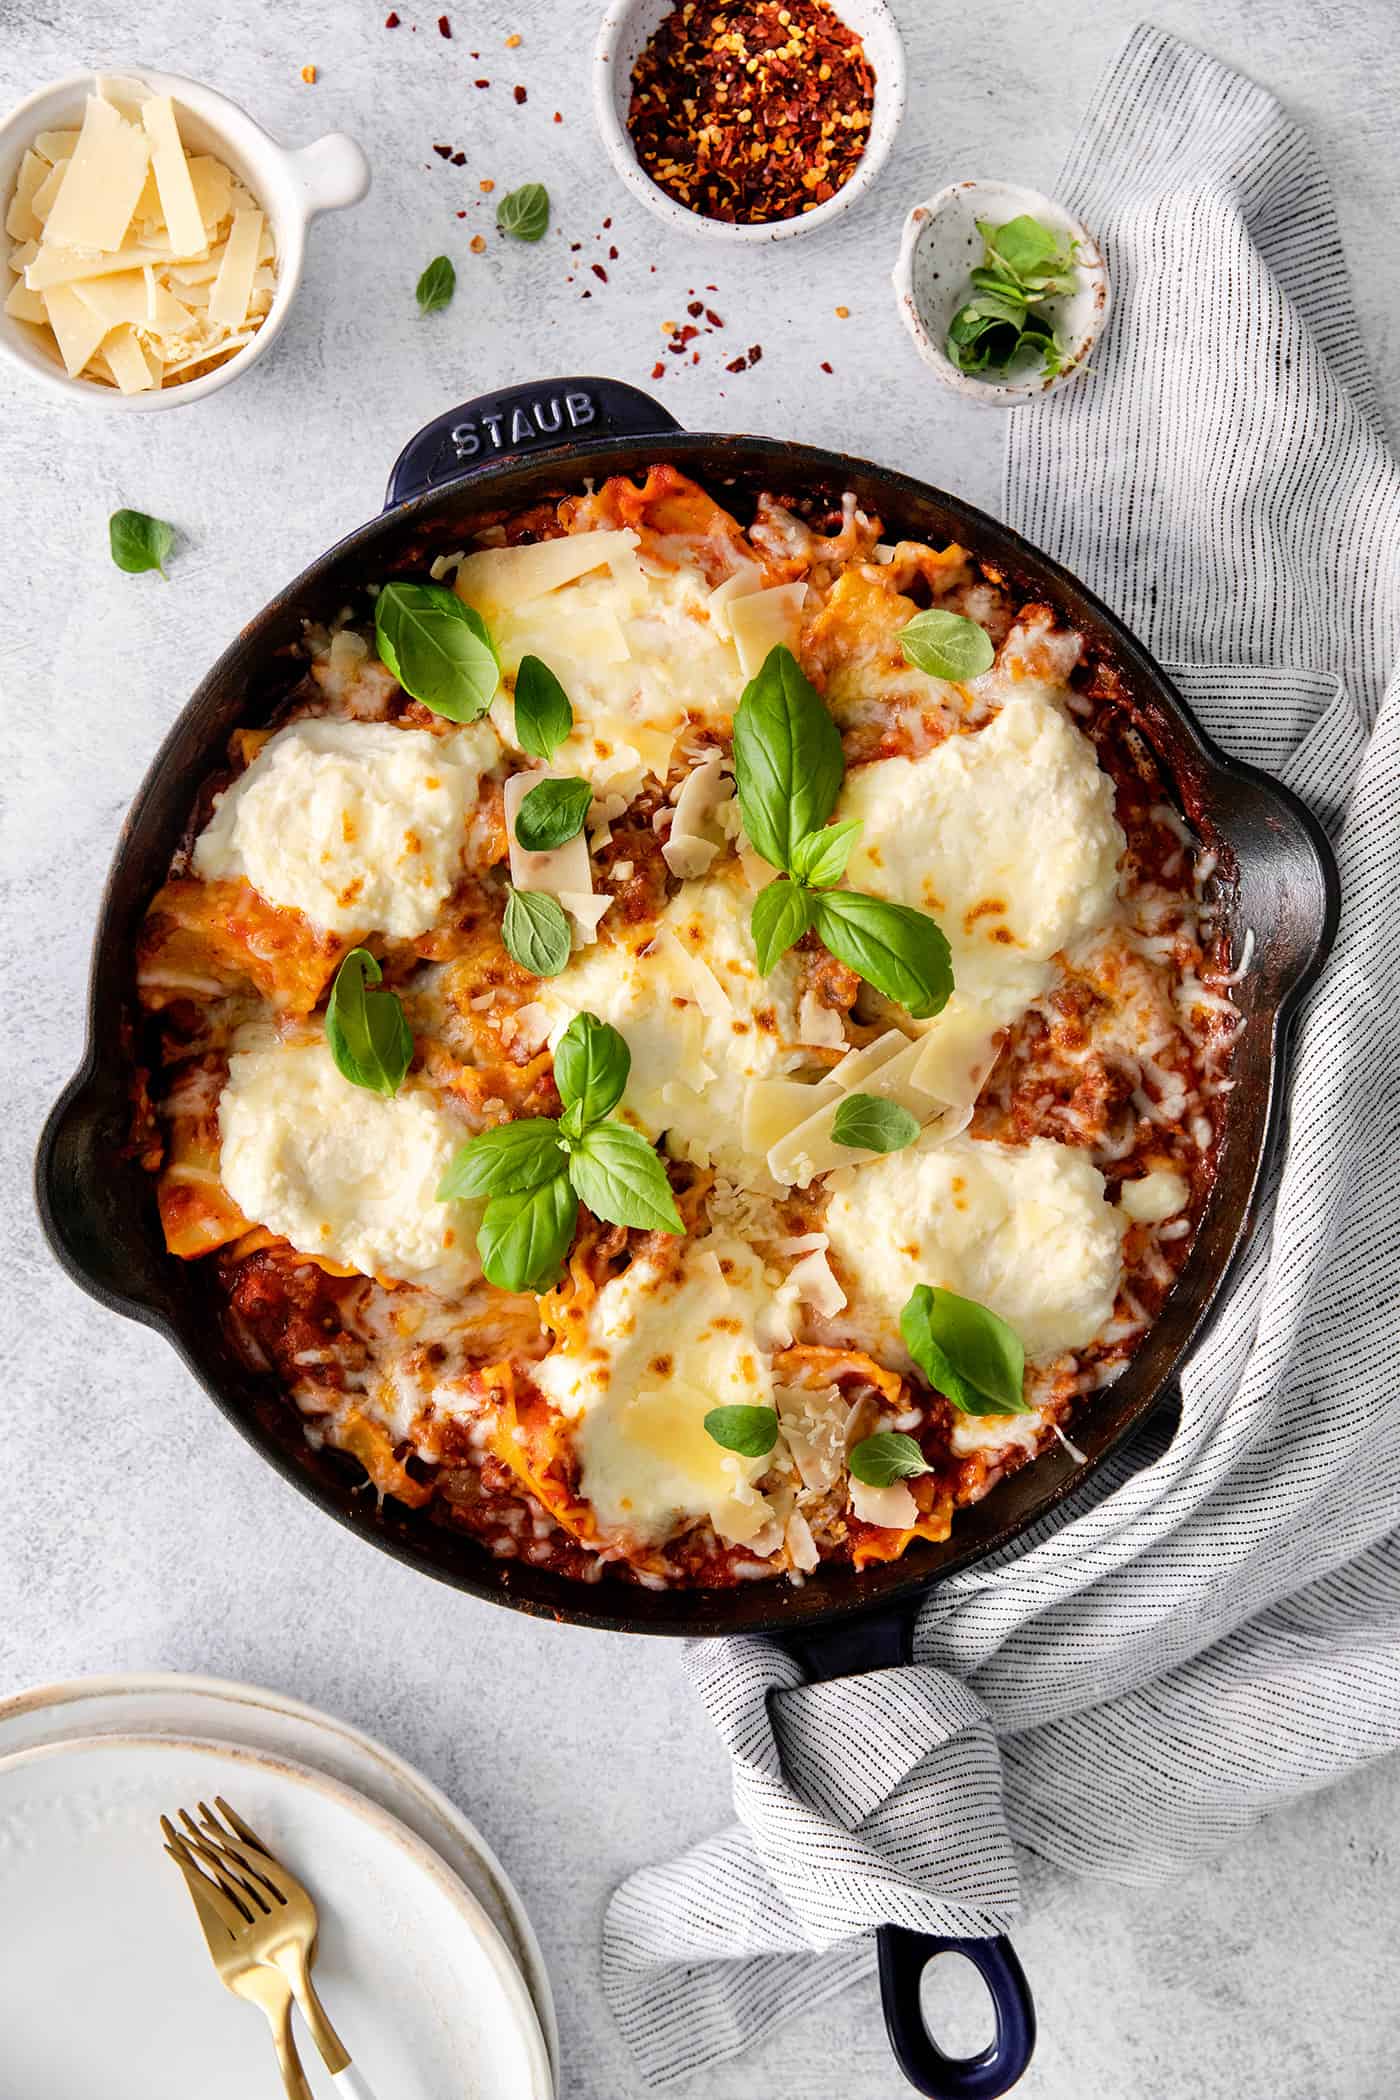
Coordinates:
x,y
903,1957
517,421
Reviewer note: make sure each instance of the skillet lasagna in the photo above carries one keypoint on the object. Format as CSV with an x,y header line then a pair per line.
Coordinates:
x,y
688,1047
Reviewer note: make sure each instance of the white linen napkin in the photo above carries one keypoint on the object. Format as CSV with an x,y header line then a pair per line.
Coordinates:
x,y
1216,1628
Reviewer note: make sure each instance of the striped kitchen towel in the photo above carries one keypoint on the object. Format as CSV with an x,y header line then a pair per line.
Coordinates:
x,y
1216,1628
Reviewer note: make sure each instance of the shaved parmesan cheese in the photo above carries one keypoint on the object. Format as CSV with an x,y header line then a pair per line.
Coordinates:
x,y
54,146
565,867
814,1430
810,1148
801,1546
183,219
228,302
213,189
747,577
131,366
820,1025
101,183
815,1285
893,1508
119,300
41,205
586,911
76,330
22,222
499,578
24,305
761,621
695,834
55,265
1155,1196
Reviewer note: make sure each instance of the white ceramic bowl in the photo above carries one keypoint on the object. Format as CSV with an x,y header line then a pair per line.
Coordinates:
x,y
941,247
628,26
291,185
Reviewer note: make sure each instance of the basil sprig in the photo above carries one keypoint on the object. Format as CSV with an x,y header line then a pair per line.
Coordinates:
x,y
751,1431
367,1031
436,285
965,1352
552,814
869,1124
887,1456
139,541
543,714
536,932
946,645
437,648
788,767
534,1172
524,213
1005,326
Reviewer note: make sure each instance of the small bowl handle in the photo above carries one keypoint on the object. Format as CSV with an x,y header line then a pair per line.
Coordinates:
x,y
520,420
331,172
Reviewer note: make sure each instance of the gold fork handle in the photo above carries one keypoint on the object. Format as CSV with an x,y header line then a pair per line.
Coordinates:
x,y
279,2019
292,1962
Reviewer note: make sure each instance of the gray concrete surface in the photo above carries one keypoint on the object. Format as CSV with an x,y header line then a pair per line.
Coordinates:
x,y
138,1530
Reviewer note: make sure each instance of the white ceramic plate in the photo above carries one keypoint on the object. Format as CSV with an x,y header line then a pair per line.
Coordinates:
x,y
412,1971
171,1703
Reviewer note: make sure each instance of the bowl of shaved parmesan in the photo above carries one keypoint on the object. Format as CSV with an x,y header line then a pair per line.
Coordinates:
x,y
155,235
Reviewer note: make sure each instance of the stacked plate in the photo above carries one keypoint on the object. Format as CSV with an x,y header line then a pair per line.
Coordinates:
x,y
427,1962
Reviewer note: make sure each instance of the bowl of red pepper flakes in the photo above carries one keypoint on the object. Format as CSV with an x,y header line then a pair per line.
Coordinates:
x,y
748,120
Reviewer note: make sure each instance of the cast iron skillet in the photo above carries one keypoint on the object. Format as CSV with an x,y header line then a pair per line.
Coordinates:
x,y
487,459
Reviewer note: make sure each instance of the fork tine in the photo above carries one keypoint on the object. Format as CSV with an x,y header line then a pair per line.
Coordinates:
x,y
203,1891
259,1866
237,1824
251,1901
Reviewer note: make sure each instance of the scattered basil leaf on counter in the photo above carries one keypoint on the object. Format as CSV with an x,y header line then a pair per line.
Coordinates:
x,y
622,1179
437,648
788,761
504,1160
902,952
591,1066
820,859
369,1037
751,1431
869,1124
782,913
523,1237
543,715
436,285
946,645
552,814
965,1352
536,932
139,542
886,1457
524,213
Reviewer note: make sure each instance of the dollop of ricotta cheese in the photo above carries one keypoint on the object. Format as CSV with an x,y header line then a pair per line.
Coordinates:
x,y
359,825
340,1171
1023,1229
629,1385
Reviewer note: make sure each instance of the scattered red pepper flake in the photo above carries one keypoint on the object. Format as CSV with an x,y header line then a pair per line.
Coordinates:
x,y
658,370
696,306
585,295
557,117
825,366
574,247
513,40
843,313
777,98
519,94
713,318
444,26
461,215
599,272
481,83
478,244
308,74
391,21
459,160
612,255
755,352
443,152
737,364
486,185
607,225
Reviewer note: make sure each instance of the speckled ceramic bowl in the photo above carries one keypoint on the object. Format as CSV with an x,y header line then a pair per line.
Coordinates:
x,y
626,29
941,247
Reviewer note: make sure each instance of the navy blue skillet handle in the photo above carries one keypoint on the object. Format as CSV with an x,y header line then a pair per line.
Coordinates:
x,y
883,1640
517,421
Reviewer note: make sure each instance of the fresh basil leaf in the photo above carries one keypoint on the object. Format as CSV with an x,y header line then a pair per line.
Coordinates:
x,y
622,1180
887,1456
869,1124
751,1431
1000,286
536,932
781,915
788,762
436,285
902,952
552,814
523,1237
820,859
524,212
966,1353
1024,248
437,648
543,715
505,1160
139,542
591,1066
946,645
368,1035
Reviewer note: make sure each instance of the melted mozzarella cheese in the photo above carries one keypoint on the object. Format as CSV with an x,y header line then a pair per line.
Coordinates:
x,y
342,1172
698,1018
639,657
662,1347
1022,1229
1007,836
359,825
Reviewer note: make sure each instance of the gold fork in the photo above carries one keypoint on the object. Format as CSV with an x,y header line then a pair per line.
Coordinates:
x,y
274,1921
238,1972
